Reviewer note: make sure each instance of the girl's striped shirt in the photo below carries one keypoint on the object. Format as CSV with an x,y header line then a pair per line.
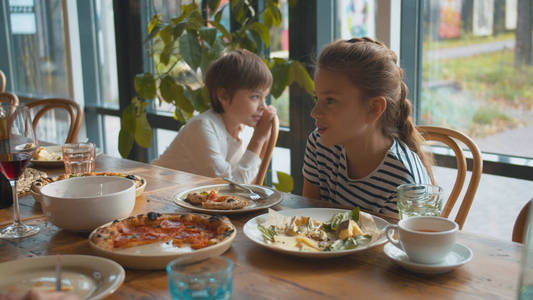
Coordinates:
x,y
326,168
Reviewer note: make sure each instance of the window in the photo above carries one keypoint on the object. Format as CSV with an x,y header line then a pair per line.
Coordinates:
x,y
36,48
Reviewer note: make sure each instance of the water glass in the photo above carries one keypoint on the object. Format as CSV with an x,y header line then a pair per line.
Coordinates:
x,y
211,278
79,158
419,200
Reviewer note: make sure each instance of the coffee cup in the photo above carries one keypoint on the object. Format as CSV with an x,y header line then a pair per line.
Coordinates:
x,y
425,239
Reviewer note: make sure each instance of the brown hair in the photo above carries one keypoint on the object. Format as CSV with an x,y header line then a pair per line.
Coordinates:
x,y
238,69
372,67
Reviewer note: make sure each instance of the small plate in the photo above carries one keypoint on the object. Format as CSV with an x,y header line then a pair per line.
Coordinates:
x,y
320,214
459,256
157,255
272,197
55,163
89,277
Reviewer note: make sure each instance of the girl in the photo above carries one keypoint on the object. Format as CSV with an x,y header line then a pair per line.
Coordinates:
x,y
225,141
365,144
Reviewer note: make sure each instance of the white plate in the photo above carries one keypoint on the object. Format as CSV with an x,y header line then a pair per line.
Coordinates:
x,y
320,214
459,256
272,197
157,255
54,163
89,277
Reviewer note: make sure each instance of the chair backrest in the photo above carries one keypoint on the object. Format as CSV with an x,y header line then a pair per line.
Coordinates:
x,y
2,81
72,108
520,224
6,97
266,152
450,138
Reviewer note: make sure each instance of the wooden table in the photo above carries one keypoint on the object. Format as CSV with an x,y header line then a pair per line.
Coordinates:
x,y
262,274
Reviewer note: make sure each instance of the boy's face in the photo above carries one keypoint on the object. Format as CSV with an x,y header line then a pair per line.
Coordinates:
x,y
246,106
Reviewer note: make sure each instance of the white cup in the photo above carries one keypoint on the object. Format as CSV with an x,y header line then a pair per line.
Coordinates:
x,y
424,239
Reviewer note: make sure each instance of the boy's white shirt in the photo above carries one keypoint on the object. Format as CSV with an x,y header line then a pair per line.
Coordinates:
x,y
203,146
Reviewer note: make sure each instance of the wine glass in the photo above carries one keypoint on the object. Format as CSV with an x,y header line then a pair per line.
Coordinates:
x,y
17,144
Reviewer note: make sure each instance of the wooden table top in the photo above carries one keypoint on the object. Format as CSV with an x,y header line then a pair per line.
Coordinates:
x,y
262,274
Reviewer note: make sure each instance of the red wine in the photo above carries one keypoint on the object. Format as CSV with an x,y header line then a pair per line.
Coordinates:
x,y
13,165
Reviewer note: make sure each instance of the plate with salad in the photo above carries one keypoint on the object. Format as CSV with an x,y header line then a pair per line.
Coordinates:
x,y
317,232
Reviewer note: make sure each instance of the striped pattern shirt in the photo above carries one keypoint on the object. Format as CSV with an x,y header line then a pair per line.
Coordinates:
x,y
326,168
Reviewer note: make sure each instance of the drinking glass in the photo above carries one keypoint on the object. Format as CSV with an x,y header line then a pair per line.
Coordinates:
x,y
419,200
210,278
79,158
17,144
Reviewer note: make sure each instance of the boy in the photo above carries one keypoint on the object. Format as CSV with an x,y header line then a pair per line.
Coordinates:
x,y
225,141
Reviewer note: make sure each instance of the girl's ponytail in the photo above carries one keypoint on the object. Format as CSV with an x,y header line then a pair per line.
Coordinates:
x,y
408,133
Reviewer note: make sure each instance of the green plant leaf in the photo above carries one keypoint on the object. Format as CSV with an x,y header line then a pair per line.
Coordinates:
x,y
125,142
145,85
165,88
209,34
251,41
173,93
285,182
166,34
262,31
164,57
300,75
276,16
178,29
268,19
213,5
143,131
181,101
127,122
190,50
154,22
223,30
280,75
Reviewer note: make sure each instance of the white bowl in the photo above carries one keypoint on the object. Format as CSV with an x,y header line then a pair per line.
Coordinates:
x,y
84,203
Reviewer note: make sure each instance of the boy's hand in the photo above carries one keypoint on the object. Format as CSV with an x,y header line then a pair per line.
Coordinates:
x,y
262,129
263,126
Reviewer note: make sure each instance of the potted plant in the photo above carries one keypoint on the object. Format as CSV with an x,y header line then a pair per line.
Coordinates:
x,y
183,48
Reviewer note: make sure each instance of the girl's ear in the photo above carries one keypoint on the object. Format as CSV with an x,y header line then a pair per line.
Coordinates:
x,y
376,107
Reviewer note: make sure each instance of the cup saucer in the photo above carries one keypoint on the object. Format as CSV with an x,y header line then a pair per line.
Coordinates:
x,y
458,256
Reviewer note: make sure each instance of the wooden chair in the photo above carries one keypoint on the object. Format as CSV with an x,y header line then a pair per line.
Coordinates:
x,y
266,152
6,97
520,224
449,137
2,81
72,108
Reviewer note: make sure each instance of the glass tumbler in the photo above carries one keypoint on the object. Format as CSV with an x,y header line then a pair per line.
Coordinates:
x,y
211,278
419,200
79,158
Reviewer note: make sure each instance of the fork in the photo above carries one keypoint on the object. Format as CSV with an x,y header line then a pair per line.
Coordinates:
x,y
251,194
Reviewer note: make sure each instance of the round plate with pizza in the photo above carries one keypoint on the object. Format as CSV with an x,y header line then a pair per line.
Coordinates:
x,y
149,241
140,183
226,199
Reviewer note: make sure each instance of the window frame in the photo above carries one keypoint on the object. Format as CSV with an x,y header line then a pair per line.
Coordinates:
x,y
411,61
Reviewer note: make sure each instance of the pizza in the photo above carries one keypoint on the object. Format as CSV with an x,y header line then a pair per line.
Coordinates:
x,y
213,200
180,230
39,183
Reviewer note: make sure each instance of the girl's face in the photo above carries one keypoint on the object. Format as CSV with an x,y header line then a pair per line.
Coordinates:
x,y
246,107
340,113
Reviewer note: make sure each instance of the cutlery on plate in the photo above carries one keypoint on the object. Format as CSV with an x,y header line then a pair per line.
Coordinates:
x,y
58,273
251,194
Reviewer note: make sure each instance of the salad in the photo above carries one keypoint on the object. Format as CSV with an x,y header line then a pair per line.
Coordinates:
x,y
344,231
